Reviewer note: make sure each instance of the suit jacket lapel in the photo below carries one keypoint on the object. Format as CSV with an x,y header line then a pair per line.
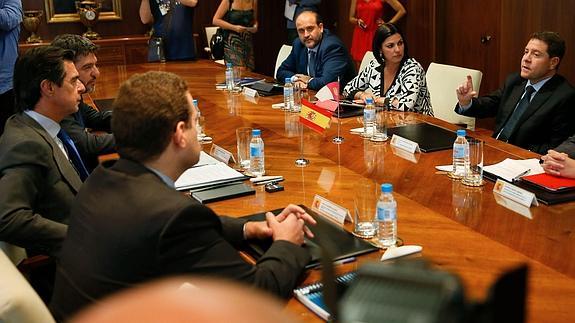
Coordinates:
x,y
540,97
64,166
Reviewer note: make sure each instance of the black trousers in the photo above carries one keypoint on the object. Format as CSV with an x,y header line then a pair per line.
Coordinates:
x,y
6,107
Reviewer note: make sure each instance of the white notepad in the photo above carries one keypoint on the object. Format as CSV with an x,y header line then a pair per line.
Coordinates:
x,y
208,171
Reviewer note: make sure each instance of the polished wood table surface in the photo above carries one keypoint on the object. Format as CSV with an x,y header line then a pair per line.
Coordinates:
x,y
462,230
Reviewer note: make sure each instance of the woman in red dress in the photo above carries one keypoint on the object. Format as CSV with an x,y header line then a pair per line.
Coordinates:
x,y
367,15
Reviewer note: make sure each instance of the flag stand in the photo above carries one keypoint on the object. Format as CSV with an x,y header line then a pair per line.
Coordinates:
x,y
301,161
338,140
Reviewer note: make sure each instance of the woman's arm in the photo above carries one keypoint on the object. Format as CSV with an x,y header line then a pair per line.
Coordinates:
x,y
411,75
355,89
146,13
399,10
254,28
352,6
219,21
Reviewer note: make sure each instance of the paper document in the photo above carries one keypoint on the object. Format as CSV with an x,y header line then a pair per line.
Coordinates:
x,y
208,171
289,10
511,168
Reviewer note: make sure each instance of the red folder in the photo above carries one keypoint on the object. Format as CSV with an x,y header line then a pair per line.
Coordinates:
x,y
550,183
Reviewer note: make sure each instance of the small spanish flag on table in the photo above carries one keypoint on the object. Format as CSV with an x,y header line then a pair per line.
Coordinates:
x,y
315,118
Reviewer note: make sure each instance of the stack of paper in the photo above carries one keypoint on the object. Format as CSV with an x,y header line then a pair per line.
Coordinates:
x,y
510,169
207,172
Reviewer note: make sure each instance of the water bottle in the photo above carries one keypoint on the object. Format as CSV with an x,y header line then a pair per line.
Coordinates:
x,y
288,95
368,118
199,122
257,162
460,155
386,217
229,77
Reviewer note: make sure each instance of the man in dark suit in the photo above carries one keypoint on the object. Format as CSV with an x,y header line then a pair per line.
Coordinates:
x,y
88,127
534,109
37,180
130,225
317,57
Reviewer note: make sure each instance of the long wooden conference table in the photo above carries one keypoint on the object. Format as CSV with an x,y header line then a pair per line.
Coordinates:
x,y
462,230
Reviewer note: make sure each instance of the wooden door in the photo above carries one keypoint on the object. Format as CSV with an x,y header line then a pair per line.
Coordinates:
x,y
468,36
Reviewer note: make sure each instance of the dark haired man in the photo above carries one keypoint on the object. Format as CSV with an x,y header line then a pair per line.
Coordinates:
x,y
317,57
37,179
534,109
130,225
88,127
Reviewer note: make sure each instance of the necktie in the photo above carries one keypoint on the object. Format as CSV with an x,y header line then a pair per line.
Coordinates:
x,y
516,115
73,154
311,63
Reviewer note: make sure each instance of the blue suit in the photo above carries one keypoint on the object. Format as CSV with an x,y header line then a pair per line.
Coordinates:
x,y
332,60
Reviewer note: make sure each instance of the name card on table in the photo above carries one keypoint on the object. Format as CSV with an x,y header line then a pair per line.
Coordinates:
x,y
251,93
513,206
404,144
330,210
221,154
515,193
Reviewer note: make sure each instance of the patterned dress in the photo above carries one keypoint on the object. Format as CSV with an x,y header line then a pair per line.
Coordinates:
x,y
368,11
409,86
238,48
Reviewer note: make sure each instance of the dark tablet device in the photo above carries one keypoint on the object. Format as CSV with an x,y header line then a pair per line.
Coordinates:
x,y
429,137
345,243
223,193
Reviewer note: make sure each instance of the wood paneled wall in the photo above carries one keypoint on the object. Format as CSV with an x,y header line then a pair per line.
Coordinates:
x,y
129,25
445,31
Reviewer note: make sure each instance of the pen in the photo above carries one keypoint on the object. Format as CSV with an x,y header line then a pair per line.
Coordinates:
x,y
344,261
339,262
516,178
274,181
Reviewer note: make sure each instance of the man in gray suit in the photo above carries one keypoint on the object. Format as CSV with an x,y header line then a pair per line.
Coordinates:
x,y
37,179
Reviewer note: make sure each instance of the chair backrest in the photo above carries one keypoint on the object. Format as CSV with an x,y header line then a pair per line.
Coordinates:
x,y
210,31
282,55
442,81
368,57
14,253
18,301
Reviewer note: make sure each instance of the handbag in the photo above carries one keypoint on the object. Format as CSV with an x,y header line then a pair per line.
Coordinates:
x,y
156,50
217,44
217,40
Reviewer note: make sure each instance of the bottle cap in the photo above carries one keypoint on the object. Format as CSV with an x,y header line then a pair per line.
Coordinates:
x,y
288,80
256,132
386,188
461,132
228,64
195,103
369,101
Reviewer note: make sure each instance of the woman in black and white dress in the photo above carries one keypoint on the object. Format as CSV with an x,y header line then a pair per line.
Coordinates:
x,y
403,82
